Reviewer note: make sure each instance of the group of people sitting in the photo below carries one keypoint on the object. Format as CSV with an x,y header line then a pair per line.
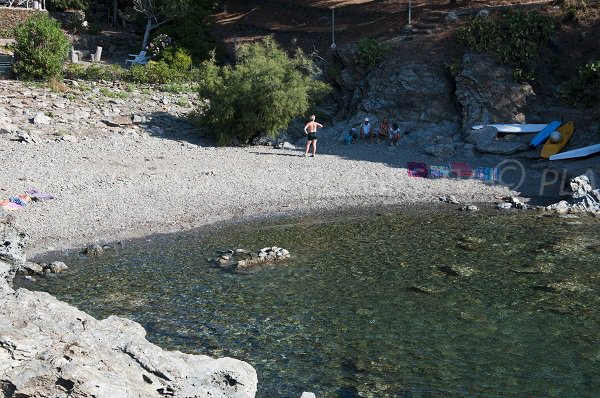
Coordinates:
x,y
385,132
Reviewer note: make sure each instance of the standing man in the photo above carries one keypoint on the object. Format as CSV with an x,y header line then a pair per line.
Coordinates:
x,y
311,131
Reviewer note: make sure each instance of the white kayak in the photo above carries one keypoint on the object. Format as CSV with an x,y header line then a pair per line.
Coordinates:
x,y
513,128
577,153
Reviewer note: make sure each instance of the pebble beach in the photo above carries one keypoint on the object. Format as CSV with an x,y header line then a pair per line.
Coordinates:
x,y
122,180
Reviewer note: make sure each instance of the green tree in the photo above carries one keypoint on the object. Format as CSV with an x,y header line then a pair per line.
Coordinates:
x,y
262,93
41,48
160,12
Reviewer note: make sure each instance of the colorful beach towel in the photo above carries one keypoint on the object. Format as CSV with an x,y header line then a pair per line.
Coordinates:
x,y
439,171
461,169
486,174
416,169
6,204
37,195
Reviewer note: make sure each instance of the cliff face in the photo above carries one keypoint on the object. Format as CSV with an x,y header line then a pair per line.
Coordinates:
x,y
49,348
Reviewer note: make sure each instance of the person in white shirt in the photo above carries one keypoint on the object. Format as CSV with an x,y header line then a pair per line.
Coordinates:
x,y
365,129
395,134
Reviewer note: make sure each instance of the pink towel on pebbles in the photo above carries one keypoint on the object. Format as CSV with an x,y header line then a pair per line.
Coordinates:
x,y
416,169
461,169
11,206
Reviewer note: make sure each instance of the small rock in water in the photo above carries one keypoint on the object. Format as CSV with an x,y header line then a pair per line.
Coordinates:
x,y
94,250
56,267
449,199
470,243
457,270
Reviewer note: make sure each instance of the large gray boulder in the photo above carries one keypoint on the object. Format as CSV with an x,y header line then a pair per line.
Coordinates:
x,y
486,141
51,349
487,93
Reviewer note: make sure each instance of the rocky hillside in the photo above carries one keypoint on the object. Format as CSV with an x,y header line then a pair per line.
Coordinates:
x,y
412,85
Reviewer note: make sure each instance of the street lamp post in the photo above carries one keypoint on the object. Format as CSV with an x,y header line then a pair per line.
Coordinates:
x,y
332,27
409,12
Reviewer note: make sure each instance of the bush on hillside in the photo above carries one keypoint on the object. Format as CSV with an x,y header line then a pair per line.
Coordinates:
x,y
584,90
580,10
514,38
371,52
62,5
262,93
41,48
190,32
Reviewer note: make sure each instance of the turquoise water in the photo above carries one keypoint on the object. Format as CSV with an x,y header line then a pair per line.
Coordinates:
x,y
400,304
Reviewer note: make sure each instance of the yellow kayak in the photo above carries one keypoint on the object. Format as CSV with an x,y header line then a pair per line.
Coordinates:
x,y
551,146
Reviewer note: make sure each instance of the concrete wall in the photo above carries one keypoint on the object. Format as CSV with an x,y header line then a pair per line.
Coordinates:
x,y
11,17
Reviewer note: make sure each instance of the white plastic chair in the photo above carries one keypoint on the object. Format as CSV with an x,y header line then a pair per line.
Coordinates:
x,y
140,58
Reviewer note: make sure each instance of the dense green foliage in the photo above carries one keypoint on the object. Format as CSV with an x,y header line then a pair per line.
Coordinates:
x,y
584,89
41,48
371,52
262,93
190,32
6,33
580,10
514,38
152,73
61,5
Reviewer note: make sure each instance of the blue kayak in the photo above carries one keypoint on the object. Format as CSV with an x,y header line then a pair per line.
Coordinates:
x,y
544,134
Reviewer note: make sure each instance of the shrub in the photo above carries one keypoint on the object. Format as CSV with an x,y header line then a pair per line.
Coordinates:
x,y
41,48
74,23
62,5
154,73
159,44
177,58
190,32
580,10
514,39
371,52
584,90
454,67
6,33
262,93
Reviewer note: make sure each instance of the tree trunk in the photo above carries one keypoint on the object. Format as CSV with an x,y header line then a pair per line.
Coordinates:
x,y
114,19
149,28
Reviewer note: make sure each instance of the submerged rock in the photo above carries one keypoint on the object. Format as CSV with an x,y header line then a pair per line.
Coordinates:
x,y
457,270
565,286
243,259
470,243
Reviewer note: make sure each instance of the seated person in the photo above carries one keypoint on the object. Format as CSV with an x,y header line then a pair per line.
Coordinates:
x,y
365,130
395,134
384,128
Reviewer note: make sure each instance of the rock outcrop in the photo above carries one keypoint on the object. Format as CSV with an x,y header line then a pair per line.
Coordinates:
x,y
49,348
584,199
487,93
418,96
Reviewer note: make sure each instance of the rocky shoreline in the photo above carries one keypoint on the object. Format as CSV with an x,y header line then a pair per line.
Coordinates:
x,y
48,347
124,163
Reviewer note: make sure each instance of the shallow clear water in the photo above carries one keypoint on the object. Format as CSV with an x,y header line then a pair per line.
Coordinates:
x,y
369,306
